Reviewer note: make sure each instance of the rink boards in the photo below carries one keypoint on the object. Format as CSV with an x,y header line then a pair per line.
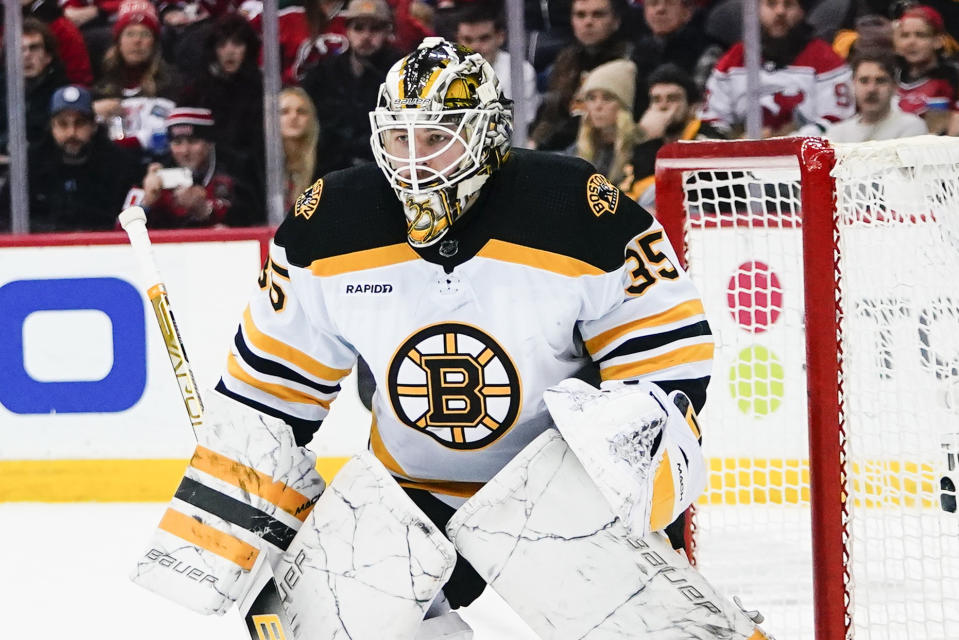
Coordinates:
x,y
89,409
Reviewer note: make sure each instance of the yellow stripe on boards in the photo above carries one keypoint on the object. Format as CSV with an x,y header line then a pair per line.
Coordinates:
x,y
105,480
731,481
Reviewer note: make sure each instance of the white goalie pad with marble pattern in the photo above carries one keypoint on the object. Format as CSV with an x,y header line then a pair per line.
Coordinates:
x,y
545,539
366,564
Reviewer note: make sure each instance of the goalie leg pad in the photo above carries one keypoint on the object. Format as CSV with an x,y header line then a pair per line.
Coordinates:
x,y
544,538
639,446
246,492
367,564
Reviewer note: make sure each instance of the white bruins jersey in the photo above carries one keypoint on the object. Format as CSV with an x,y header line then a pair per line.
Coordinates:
x,y
551,268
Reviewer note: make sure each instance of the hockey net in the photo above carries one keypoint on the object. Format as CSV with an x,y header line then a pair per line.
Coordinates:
x,y
830,276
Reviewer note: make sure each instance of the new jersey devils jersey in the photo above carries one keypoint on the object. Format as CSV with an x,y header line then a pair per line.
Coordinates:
x,y
814,90
552,267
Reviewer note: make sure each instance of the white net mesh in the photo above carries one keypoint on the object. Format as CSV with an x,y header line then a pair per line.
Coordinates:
x,y
898,206
899,259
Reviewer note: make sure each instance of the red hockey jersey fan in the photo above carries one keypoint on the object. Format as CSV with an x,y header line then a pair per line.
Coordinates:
x,y
804,96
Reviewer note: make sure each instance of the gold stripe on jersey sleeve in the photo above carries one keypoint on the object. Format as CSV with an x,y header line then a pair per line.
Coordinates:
x,y
692,353
287,353
664,495
361,260
682,311
538,259
213,540
252,481
277,390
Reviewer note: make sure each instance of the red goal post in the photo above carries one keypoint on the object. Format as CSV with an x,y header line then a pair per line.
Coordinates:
x,y
830,275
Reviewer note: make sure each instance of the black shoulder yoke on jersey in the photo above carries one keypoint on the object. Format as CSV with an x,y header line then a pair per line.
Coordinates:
x,y
550,202
347,211
537,199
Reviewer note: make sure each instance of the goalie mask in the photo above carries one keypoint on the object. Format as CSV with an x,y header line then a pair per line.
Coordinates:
x,y
441,127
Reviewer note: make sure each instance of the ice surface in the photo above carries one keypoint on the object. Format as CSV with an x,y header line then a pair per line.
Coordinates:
x,y
63,574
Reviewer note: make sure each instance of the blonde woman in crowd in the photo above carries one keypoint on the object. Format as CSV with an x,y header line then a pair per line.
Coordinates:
x,y
607,133
300,131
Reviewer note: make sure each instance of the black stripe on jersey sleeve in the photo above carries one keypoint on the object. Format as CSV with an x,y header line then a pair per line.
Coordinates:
x,y
273,368
645,343
235,512
303,430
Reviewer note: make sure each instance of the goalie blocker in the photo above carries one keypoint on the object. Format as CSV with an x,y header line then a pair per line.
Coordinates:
x,y
245,494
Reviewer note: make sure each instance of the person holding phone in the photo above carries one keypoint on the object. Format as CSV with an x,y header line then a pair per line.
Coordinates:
x,y
197,186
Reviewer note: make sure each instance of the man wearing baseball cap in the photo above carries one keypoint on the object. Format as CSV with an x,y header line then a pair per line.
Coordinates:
x,y
344,88
78,177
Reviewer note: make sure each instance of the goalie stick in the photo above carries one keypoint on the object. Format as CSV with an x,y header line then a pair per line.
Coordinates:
x,y
262,609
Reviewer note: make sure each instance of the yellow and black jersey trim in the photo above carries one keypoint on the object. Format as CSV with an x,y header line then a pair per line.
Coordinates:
x,y
283,352
689,311
657,340
278,390
362,260
276,369
303,429
358,211
537,259
660,362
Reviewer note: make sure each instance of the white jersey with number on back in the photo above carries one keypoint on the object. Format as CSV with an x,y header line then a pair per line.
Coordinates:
x,y
552,267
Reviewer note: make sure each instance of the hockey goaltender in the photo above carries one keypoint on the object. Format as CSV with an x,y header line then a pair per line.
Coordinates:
x,y
475,280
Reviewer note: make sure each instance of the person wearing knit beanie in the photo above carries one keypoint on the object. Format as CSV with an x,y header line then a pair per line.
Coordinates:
x,y
189,122
136,12
607,133
618,78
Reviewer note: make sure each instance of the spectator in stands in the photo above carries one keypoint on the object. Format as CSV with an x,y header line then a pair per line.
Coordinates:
x,y
671,116
483,30
133,66
878,118
78,179
300,131
675,36
344,88
804,84
607,133
220,191
71,49
870,31
228,82
928,83
42,75
595,26
94,19
309,31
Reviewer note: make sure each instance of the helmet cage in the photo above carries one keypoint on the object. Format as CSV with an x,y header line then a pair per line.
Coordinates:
x,y
406,143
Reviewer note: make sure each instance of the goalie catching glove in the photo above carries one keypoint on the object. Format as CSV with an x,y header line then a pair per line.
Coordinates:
x,y
639,445
246,492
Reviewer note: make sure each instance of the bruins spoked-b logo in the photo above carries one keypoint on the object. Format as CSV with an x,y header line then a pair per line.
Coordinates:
x,y
456,384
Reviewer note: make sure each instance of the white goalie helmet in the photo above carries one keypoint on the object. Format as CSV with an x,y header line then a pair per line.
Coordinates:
x,y
441,127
